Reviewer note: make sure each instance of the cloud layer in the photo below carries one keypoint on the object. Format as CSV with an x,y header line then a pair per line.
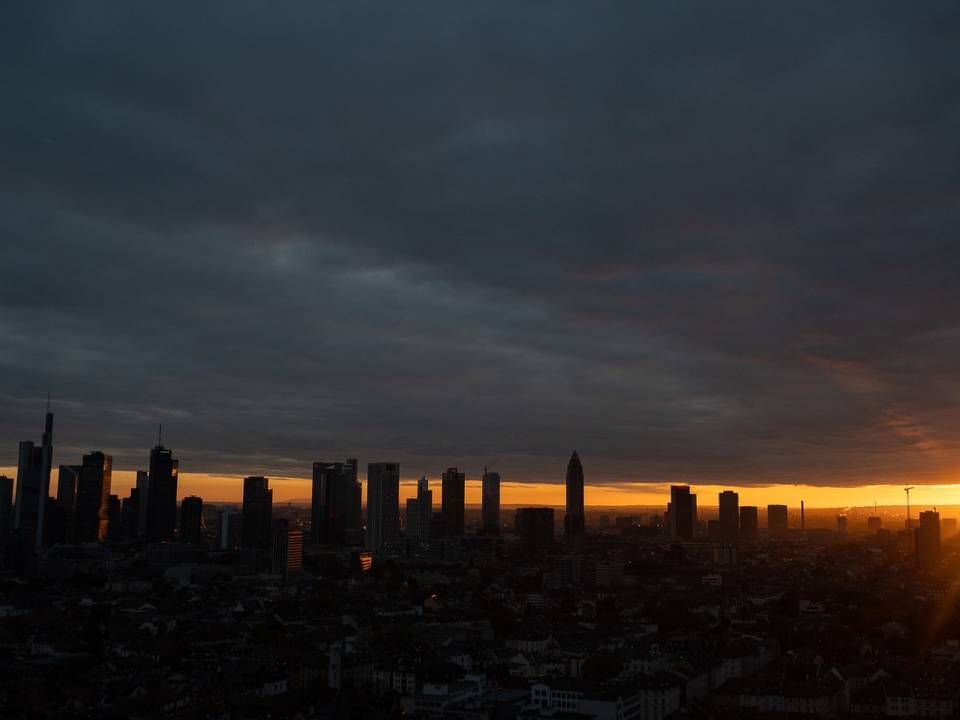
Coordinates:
x,y
697,242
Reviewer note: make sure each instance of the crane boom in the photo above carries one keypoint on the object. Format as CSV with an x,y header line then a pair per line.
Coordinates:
x,y
487,467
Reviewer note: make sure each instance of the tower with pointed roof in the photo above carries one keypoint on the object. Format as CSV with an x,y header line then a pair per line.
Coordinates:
x,y
575,521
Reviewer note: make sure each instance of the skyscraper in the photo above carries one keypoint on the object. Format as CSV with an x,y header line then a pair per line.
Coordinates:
x,y
354,510
91,509
286,549
257,523
130,514
534,525
383,503
490,509
229,534
575,520
335,502
777,520
114,519
143,497
681,512
33,485
729,515
6,510
161,511
191,519
928,539
68,480
453,490
420,512
749,522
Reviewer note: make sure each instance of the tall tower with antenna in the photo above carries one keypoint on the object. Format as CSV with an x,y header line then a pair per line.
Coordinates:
x,y
33,483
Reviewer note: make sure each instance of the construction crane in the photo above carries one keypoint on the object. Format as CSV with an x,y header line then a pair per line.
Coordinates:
x,y
487,467
907,491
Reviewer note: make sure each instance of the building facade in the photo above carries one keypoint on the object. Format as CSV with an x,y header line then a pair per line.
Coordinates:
x,y
191,519
777,520
91,511
490,508
286,549
257,522
534,525
928,539
729,504
161,509
335,505
383,503
681,516
452,501
420,512
6,509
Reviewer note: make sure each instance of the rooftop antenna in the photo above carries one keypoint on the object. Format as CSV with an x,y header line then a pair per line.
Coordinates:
x,y
48,425
160,434
907,491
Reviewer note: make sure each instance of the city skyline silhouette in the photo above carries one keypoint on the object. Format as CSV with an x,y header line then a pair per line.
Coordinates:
x,y
480,360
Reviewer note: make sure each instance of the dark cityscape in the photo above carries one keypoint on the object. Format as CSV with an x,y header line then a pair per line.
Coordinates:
x,y
143,606
480,361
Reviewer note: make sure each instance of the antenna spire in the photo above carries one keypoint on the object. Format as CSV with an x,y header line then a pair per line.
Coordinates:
x,y
160,434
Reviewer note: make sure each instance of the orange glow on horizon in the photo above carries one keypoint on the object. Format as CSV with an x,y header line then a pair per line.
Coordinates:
x,y
216,488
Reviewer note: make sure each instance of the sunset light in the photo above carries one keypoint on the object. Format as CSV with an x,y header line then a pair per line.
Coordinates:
x,y
480,360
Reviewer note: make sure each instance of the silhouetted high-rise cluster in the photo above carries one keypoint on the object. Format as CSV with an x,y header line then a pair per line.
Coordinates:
x,y
85,511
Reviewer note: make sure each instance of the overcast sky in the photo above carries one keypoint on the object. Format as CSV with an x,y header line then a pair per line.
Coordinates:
x,y
696,241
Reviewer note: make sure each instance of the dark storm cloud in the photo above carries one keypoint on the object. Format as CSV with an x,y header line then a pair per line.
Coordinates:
x,y
700,241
